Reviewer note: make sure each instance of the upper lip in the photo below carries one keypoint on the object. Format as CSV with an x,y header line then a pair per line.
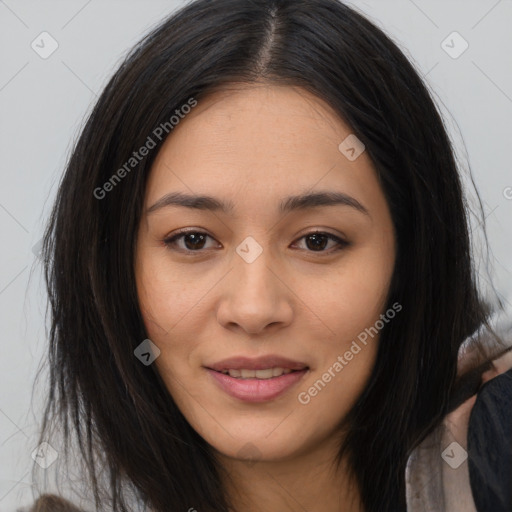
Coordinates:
x,y
256,363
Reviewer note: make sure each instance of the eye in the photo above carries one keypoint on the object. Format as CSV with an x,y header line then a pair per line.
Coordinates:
x,y
316,241
195,241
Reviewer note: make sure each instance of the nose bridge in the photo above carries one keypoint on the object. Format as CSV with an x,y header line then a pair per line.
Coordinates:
x,y
255,297
252,269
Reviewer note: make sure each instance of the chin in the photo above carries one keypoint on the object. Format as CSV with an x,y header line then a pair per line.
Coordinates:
x,y
257,445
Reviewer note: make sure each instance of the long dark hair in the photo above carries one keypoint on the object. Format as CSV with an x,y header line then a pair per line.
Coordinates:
x,y
130,433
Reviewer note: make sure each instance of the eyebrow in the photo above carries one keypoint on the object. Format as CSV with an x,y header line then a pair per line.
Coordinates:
x,y
291,203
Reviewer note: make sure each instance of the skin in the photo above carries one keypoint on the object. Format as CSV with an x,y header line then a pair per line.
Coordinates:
x,y
254,146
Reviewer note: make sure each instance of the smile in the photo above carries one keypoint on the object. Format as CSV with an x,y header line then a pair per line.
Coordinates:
x,y
256,385
268,373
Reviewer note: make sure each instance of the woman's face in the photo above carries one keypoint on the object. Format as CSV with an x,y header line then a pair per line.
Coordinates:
x,y
252,281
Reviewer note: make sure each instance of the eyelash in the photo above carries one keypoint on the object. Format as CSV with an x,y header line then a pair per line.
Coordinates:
x,y
170,241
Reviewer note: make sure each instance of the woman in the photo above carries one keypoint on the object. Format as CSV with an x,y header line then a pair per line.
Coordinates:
x,y
260,272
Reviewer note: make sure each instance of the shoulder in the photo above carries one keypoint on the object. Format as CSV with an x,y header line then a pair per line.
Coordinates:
x,y
489,442
466,463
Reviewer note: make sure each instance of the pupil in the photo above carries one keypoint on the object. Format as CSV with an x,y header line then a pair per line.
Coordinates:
x,y
317,244
197,239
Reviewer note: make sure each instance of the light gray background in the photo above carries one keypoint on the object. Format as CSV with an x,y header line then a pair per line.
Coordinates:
x,y
43,102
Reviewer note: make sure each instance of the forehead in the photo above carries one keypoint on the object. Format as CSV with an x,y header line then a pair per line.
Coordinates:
x,y
258,143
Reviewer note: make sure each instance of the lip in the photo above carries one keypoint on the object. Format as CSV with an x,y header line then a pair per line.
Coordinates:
x,y
256,390
256,363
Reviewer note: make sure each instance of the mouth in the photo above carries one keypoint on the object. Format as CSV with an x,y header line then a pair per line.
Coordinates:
x,y
268,373
255,386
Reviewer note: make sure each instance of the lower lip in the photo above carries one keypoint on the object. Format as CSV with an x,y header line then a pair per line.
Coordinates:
x,y
256,390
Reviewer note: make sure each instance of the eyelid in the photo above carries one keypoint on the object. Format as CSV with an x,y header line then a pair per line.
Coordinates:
x,y
341,242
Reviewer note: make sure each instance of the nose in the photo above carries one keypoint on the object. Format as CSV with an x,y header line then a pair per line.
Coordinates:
x,y
255,296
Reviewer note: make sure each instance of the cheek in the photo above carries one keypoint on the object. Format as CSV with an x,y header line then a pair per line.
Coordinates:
x,y
351,305
346,364
165,295
175,311
334,387
351,298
